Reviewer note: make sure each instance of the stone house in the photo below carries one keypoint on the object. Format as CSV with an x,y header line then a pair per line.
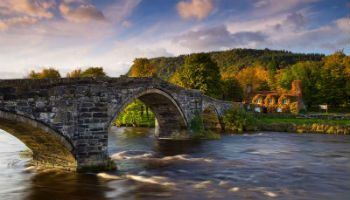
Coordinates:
x,y
273,101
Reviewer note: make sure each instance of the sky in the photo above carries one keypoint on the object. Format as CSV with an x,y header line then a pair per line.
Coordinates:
x,y
70,34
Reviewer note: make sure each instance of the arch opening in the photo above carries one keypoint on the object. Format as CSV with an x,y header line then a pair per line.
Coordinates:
x,y
169,116
211,119
49,149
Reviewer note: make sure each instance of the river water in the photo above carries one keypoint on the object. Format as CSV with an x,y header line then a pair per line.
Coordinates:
x,y
247,166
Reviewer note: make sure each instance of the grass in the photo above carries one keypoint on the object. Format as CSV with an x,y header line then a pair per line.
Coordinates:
x,y
301,121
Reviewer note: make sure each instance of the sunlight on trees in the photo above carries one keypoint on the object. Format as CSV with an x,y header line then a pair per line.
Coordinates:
x,y
142,68
45,73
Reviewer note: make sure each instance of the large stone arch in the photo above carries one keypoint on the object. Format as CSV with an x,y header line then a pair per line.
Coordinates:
x,y
170,116
212,119
49,148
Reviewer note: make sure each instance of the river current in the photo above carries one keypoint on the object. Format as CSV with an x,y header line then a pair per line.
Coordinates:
x,y
246,166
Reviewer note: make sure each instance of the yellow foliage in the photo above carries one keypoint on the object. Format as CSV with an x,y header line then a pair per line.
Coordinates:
x,y
253,76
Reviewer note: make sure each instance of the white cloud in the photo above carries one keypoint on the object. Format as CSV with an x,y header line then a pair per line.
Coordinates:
x,y
198,9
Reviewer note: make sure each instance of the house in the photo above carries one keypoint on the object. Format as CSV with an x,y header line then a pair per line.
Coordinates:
x,y
273,101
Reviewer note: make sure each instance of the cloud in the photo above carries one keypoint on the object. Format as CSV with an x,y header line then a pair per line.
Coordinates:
x,y
271,7
117,13
83,12
344,24
33,8
14,13
198,9
217,38
17,21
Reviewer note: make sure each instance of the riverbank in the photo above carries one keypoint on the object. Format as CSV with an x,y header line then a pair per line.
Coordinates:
x,y
239,121
304,125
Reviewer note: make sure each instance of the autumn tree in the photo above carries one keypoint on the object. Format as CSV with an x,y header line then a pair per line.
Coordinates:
x,y
199,72
45,73
255,77
142,68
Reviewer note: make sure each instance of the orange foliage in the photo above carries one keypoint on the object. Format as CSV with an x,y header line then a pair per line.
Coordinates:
x,y
253,76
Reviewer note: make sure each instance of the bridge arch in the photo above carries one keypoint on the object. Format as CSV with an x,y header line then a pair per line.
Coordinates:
x,y
169,115
212,119
49,148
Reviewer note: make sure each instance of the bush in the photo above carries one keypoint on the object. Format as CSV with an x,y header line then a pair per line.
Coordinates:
x,y
198,131
238,120
294,108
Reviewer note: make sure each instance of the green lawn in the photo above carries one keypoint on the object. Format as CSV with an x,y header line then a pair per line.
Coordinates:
x,y
271,120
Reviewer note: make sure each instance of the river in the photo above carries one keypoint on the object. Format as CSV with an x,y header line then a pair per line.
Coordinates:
x,y
247,166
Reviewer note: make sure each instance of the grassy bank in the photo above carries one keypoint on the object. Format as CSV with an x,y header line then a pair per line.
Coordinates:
x,y
238,121
302,121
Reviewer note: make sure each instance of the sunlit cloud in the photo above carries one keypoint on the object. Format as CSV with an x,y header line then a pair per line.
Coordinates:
x,y
198,9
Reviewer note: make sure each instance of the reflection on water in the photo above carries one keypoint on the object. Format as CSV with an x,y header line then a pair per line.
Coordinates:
x,y
248,166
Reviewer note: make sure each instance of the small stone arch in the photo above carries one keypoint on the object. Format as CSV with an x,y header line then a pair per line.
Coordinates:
x,y
212,119
49,148
169,115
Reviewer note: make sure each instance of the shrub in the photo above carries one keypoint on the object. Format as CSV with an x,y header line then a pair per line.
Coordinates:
x,y
293,107
198,131
238,120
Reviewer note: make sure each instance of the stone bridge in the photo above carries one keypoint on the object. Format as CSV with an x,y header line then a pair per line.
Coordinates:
x,y
65,122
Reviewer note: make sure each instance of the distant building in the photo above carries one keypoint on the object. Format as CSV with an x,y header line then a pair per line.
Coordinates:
x,y
272,101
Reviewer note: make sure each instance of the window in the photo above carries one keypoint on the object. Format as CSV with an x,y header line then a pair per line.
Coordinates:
x,y
284,101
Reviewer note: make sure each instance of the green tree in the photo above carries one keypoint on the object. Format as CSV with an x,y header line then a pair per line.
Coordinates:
x,y
199,72
142,68
93,72
334,79
45,73
136,114
310,75
231,90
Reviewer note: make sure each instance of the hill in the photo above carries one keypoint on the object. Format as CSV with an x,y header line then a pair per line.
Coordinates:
x,y
231,61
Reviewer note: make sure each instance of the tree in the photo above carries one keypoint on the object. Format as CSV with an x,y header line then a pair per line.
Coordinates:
x,y
255,77
45,73
199,72
77,73
334,77
231,89
142,68
94,72
89,72
310,75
